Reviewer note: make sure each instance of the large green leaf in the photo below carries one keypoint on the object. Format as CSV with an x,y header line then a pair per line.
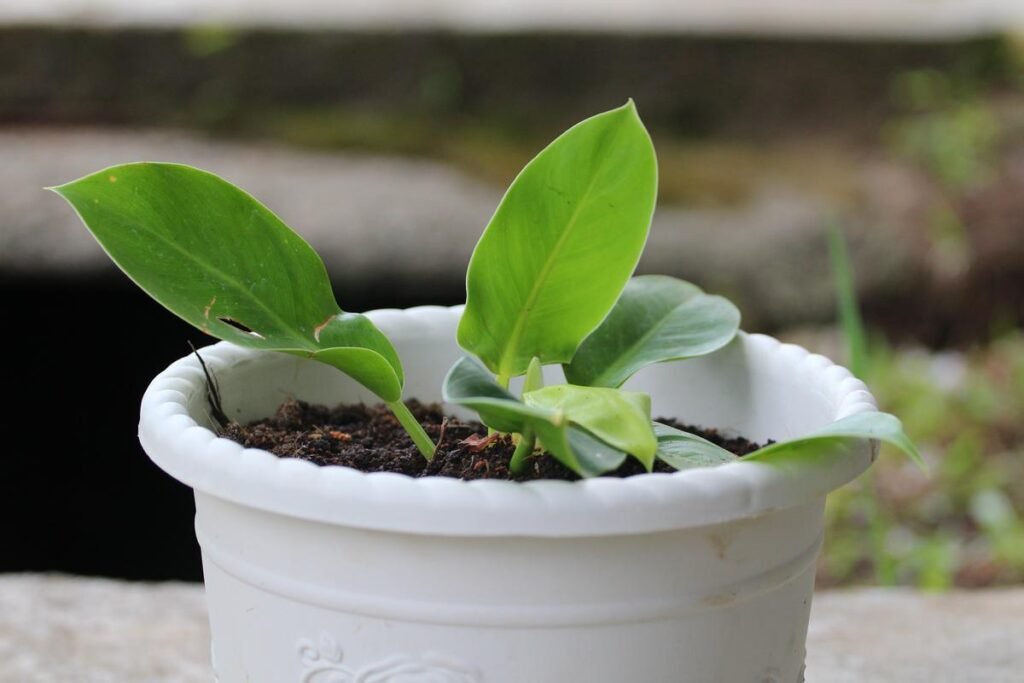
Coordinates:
x,y
657,318
869,425
684,451
222,261
619,418
561,245
470,384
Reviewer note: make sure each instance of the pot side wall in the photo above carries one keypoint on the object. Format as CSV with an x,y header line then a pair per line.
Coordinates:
x,y
294,600
328,575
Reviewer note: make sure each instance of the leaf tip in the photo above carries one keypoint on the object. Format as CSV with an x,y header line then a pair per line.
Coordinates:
x,y
629,108
915,457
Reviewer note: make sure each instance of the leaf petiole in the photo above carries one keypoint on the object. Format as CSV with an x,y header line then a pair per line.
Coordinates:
x,y
524,449
414,428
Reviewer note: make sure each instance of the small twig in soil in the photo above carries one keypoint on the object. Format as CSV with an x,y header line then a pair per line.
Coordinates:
x,y
212,392
441,432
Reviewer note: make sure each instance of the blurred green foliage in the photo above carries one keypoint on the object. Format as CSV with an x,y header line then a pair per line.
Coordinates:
x,y
209,39
947,127
962,523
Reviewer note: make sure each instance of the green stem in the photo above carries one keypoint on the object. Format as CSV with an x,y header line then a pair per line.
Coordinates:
x,y
413,428
502,380
523,450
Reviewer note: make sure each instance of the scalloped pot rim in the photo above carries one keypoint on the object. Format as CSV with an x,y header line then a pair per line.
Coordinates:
x,y
193,454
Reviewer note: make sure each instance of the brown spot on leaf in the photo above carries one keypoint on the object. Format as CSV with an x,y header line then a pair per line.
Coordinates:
x,y
320,328
112,178
206,311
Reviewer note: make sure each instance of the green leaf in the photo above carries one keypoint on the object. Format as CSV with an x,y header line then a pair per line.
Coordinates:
x,y
657,319
534,376
581,452
220,260
684,451
621,419
470,384
869,425
561,245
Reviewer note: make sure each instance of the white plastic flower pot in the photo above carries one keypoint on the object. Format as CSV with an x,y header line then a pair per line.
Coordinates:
x,y
329,575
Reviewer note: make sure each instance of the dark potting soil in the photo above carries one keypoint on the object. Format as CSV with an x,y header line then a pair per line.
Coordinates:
x,y
369,438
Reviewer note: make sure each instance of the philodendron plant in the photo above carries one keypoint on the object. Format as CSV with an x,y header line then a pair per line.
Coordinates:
x,y
549,283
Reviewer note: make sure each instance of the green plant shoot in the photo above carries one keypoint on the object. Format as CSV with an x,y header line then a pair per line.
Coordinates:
x,y
554,262
549,282
223,262
470,384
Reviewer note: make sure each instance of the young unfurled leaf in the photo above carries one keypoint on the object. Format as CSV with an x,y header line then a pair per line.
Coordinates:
x,y
684,451
869,425
561,245
657,318
621,419
534,378
470,384
218,258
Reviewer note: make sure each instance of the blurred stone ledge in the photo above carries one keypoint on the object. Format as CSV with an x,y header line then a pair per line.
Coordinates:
x,y
235,79
55,629
801,17
402,223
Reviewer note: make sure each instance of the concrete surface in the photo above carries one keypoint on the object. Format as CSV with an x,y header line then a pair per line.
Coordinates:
x,y
58,628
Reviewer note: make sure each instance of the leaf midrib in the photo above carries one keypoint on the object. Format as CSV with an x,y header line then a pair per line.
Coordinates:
x,y
504,365
235,284
615,364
